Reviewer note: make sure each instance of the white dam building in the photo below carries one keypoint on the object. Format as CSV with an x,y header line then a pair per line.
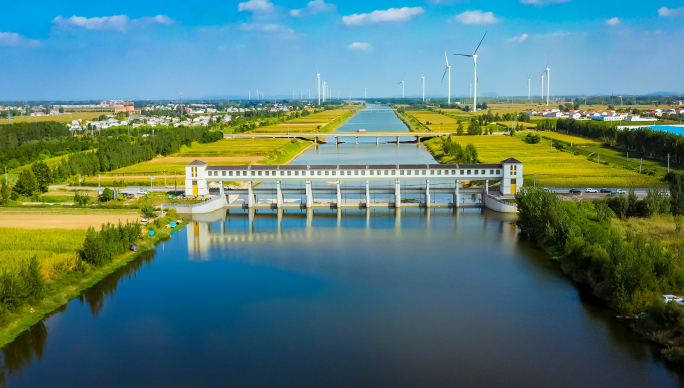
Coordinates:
x,y
323,185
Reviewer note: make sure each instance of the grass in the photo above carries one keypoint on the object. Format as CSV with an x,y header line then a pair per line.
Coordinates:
x,y
63,118
437,122
575,140
552,167
658,227
67,284
56,249
234,147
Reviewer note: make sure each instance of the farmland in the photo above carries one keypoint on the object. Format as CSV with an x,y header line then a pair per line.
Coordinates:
x,y
315,122
62,218
552,167
437,122
63,118
575,140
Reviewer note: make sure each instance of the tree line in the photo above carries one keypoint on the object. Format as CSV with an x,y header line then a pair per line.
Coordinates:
x,y
655,144
455,153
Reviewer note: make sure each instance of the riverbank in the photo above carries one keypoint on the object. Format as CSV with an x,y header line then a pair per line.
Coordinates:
x,y
70,284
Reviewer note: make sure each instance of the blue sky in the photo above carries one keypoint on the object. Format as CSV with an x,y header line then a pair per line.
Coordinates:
x,y
157,49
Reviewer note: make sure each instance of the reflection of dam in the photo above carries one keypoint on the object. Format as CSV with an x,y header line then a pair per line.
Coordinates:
x,y
215,229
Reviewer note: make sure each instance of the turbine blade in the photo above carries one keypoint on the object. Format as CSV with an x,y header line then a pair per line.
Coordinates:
x,y
465,55
445,71
478,46
446,57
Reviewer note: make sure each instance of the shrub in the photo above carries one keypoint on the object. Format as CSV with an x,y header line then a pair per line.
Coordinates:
x,y
147,211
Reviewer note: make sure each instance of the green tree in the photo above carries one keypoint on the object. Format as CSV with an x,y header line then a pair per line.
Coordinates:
x,y
677,195
81,198
107,195
459,130
147,211
632,199
4,193
43,175
620,205
26,184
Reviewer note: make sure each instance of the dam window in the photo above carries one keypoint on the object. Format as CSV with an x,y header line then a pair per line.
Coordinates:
x,y
453,172
462,172
498,171
253,173
356,172
424,172
469,172
282,173
483,172
230,173
319,173
327,173
334,173
363,172
386,172
408,172
439,172
289,173
476,171
432,172
491,172
259,173
224,173
401,172
372,172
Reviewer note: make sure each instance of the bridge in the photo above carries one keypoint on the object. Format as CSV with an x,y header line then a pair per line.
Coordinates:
x,y
275,185
338,135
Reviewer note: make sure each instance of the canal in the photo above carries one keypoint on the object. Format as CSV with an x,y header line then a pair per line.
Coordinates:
x,y
382,298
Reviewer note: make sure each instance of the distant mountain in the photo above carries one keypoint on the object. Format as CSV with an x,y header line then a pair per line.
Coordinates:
x,y
660,94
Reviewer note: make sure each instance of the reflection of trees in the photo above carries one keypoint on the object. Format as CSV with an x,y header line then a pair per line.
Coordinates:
x,y
96,294
19,353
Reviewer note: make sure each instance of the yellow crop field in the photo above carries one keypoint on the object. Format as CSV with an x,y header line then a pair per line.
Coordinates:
x,y
553,168
55,249
308,123
437,122
233,147
569,139
63,118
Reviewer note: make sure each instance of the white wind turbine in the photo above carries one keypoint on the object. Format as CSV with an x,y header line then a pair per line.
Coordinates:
x,y
318,80
423,88
529,90
542,85
447,70
548,82
474,56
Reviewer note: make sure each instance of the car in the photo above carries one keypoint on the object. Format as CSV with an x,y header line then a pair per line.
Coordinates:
x,y
591,191
672,298
621,191
575,191
145,220
142,191
548,190
664,193
606,191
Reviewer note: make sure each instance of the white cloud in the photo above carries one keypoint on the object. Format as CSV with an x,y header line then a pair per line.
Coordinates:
x,y
613,22
664,11
476,17
517,39
391,15
16,40
117,22
542,3
267,27
359,46
256,6
312,8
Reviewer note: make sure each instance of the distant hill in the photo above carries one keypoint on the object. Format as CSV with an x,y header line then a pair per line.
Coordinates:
x,y
660,94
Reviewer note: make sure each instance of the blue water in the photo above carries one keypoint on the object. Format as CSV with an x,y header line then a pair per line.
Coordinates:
x,y
676,129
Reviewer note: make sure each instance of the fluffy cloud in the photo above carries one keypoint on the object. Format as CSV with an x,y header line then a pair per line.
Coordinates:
x,y
256,6
118,22
476,17
542,3
391,15
664,11
613,22
312,8
16,40
359,46
517,39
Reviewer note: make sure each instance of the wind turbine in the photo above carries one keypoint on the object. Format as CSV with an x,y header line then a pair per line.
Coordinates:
x,y
318,80
474,56
529,90
423,88
548,82
402,85
447,70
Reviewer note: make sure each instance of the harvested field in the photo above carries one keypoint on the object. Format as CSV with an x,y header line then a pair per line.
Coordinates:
x,y
61,218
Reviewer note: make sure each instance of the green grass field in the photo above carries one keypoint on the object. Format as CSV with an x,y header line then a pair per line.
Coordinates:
x,y
311,122
552,167
575,140
56,249
233,147
437,122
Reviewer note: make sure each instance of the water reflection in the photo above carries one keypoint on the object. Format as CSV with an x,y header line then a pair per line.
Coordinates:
x,y
30,344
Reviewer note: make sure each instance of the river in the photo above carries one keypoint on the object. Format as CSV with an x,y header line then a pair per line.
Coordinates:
x,y
412,298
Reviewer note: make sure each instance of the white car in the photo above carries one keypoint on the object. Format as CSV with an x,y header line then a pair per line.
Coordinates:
x,y
621,191
672,298
664,193
142,191
591,191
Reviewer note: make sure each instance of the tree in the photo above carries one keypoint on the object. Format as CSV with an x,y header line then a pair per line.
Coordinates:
x,y
459,130
4,193
107,195
61,110
26,184
620,205
147,211
81,198
43,175
632,199
677,195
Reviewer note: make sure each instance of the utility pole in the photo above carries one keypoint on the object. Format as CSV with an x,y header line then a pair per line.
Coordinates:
x,y
175,183
668,162
641,164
